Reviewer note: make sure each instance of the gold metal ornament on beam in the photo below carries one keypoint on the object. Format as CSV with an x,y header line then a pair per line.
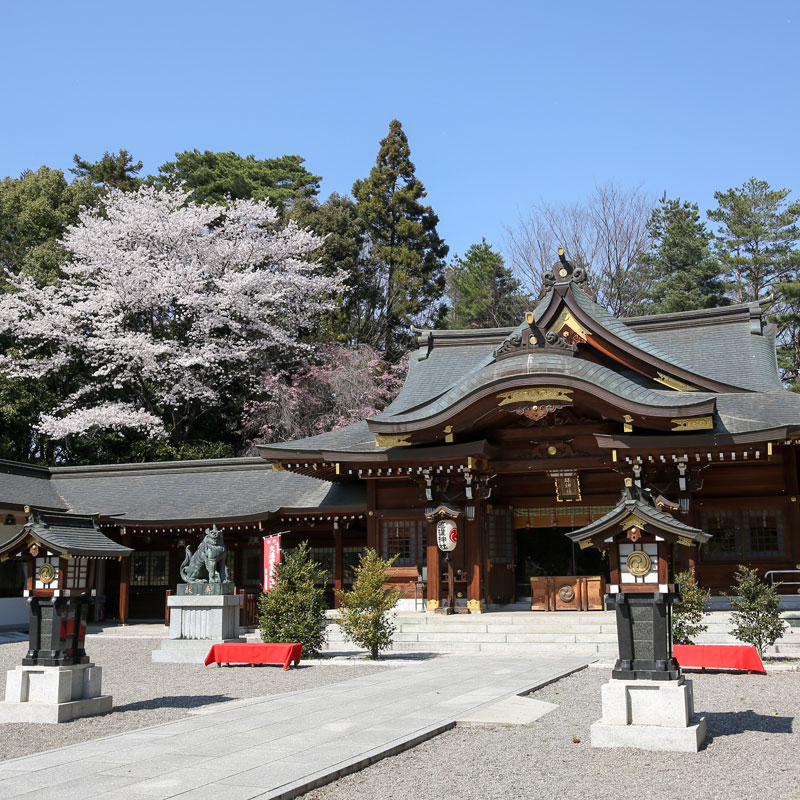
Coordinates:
x,y
631,520
535,395
693,424
585,543
685,541
567,327
674,383
384,440
638,563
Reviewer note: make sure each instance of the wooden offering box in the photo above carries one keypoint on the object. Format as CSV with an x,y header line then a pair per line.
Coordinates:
x,y
568,593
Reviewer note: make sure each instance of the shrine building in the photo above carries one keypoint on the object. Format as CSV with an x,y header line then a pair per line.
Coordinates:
x,y
519,436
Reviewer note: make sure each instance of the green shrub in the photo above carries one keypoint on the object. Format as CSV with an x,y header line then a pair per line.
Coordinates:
x,y
365,619
687,613
756,616
294,611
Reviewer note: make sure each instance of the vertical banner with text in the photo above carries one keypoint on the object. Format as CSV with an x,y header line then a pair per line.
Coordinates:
x,y
272,557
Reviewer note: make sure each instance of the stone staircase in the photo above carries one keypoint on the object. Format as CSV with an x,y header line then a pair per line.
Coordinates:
x,y
589,633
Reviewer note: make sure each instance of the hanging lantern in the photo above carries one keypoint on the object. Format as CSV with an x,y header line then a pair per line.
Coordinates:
x,y
446,535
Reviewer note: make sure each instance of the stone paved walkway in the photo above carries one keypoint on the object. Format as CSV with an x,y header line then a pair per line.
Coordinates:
x,y
282,746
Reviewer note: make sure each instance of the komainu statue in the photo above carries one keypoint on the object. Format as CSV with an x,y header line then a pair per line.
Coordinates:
x,y
207,564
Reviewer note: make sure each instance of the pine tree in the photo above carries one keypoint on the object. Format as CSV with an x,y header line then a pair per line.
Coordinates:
x,y
294,611
403,244
482,291
684,271
112,171
757,237
365,609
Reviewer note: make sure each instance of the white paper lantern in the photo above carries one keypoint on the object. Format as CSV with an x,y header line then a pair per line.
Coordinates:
x,y
446,535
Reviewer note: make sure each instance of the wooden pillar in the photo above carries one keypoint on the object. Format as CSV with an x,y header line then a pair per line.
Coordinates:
x,y
791,525
124,581
372,520
338,563
474,552
434,570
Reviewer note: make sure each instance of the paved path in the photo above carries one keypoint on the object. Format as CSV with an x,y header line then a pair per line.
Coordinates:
x,y
282,746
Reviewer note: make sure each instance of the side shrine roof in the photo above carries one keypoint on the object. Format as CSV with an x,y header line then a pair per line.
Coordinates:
x,y
633,501
207,490
66,534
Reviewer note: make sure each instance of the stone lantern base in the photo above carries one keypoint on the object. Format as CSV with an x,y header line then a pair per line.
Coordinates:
x,y
649,715
54,694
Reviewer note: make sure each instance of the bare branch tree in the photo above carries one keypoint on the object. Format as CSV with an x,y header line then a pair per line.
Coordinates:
x,y
604,235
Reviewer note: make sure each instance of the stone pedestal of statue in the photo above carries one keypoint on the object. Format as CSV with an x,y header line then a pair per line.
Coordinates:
x,y
198,620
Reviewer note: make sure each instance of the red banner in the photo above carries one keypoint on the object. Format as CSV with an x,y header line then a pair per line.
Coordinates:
x,y
272,557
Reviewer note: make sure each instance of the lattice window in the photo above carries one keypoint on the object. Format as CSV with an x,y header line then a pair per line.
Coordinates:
x,y
406,540
756,532
766,532
350,560
150,568
253,566
723,527
326,558
501,536
77,573
230,563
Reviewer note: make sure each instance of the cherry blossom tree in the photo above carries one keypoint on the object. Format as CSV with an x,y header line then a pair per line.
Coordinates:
x,y
349,384
166,309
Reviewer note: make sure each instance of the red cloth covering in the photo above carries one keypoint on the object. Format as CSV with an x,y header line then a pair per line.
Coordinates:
x,y
246,653
718,656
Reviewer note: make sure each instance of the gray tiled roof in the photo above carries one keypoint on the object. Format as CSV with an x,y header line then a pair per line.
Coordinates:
x,y
23,485
637,340
201,490
646,512
755,411
355,438
727,353
545,364
77,537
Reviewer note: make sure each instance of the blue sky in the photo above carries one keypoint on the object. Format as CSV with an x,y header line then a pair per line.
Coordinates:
x,y
504,104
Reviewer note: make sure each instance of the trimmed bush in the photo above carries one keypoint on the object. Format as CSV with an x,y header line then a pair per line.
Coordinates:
x,y
365,619
687,613
294,611
756,616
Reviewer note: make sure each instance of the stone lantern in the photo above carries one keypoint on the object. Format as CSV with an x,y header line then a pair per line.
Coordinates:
x,y
56,682
647,703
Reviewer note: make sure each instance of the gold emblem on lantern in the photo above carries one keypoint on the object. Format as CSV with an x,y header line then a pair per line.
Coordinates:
x,y
638,563
47,572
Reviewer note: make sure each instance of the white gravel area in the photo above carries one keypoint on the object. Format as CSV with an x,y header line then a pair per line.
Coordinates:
x,y
753,751
148,694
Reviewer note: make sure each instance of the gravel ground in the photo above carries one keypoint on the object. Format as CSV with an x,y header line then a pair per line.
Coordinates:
x,y
148,694
753,752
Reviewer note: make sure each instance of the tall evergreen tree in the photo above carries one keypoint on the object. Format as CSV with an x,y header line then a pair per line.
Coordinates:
x,y
757,237
685,275
351,321
482,291
404,244
213,177
112,171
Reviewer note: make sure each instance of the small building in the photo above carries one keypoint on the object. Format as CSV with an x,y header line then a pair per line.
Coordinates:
x,y
528,433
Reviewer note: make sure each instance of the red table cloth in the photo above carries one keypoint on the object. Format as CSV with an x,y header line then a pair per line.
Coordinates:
x,y
718,656
246,653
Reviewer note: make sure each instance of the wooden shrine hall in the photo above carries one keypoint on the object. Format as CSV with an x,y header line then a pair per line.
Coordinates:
x,y
532,432
525,434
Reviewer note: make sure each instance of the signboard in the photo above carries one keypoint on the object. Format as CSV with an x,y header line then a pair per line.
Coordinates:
x,y
272,557
446,535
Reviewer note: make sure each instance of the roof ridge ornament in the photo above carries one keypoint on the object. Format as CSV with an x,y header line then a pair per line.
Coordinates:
x,y
564,272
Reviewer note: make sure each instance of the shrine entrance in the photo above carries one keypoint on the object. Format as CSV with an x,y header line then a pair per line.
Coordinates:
x,y
548,552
